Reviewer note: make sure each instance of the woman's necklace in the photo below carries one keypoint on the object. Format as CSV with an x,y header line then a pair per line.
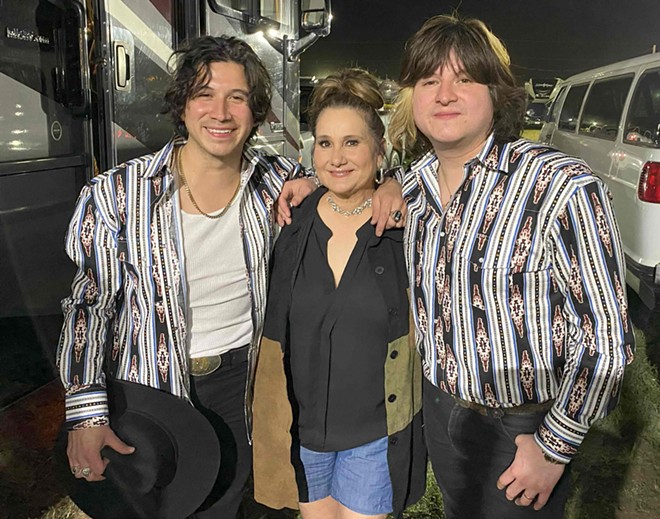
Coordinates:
x,y
352,212
179,167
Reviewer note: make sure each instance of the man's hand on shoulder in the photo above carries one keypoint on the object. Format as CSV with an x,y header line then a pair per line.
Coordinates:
x,y
530,478
293,193
387,207
84,451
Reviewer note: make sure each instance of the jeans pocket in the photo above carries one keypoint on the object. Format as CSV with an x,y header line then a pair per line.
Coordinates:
x,y
514,424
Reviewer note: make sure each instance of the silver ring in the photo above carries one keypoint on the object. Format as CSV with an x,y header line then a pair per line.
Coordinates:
x,y
86,472
74,470
396,216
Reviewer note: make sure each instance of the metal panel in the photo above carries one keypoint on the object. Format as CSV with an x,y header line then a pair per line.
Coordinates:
x,y
44,149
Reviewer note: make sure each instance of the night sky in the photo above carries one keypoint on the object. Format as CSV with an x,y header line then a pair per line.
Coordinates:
x,y
546,39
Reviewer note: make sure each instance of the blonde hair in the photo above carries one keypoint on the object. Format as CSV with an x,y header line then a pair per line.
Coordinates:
x,y
350,88
402,131
482,55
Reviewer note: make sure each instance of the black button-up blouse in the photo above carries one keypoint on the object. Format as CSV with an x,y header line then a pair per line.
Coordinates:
x,y
339,341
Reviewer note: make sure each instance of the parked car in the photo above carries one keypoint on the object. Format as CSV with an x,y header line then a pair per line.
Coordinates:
x,y
610,117
535,115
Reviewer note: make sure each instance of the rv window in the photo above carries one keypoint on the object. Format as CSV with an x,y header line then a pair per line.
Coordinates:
x,y
276,10
643,124
571,108
273,14
237,5
604,107
236,9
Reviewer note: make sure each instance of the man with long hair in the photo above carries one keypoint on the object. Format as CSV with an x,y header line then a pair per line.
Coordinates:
x,y
517,280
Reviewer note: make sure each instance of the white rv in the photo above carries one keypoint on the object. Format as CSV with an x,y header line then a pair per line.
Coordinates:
x,y
81,86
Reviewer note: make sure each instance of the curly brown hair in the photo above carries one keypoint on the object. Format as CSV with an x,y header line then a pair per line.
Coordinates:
x,y
483,57
190,73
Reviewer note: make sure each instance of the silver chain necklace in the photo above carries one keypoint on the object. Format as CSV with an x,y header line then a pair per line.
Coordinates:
x,y
352,212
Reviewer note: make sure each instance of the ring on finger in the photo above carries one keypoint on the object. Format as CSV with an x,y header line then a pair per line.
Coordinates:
x,y
74,470
86,471
396,216
527,497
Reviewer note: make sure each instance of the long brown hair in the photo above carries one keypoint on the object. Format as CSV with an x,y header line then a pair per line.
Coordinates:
x,y
482,55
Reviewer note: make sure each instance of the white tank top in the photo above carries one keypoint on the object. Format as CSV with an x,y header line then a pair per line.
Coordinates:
x,y
219,313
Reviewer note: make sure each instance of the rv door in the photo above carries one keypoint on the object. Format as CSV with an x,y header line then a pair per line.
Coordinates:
x,y
45,158
44,148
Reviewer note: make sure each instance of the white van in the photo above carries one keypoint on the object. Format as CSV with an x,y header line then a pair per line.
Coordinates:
x,y
610,117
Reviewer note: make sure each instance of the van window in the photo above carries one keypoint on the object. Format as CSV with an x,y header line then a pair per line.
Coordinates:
x,y
556,106
643,124
604,106
571,108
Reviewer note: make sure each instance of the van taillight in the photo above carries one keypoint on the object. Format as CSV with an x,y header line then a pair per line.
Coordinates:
x,y
649,183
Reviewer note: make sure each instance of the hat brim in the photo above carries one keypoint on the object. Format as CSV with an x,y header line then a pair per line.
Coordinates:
x,y
197,458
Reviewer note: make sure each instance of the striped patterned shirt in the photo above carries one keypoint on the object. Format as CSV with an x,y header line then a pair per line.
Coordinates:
x,y
127,309
519,287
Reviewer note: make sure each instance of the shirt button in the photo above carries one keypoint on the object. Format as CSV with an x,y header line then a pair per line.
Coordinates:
x,y
391,398
392,311
393,440
481,260
394,354
442,234
379,270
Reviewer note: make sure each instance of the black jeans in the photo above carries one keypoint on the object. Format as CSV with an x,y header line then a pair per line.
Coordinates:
x,y
220,396
469,452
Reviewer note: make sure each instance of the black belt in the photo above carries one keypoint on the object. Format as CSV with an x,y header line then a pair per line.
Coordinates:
x,y
497,412
200,366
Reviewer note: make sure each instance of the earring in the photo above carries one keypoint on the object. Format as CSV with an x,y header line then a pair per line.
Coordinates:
x,y
379,176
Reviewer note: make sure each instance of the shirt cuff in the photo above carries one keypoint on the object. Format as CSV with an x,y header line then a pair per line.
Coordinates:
x,y
86,408
559,437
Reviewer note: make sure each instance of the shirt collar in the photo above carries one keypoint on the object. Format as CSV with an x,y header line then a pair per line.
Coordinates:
x,y
159,166
489,156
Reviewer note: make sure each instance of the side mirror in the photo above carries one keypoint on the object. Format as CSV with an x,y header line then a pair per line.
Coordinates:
x,y
315,16
313,20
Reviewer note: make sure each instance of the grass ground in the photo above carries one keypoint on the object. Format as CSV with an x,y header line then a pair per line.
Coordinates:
x,y
616,473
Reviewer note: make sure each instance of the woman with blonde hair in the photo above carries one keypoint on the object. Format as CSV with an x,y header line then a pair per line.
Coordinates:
x,y
337,394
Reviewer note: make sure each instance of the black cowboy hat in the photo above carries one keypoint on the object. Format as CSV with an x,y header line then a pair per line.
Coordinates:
x,y
173,468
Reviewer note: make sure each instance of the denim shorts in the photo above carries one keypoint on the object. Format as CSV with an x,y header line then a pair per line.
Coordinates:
x,y
358,478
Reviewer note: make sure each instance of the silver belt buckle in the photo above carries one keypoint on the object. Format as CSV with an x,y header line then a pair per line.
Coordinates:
x,y
201,366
